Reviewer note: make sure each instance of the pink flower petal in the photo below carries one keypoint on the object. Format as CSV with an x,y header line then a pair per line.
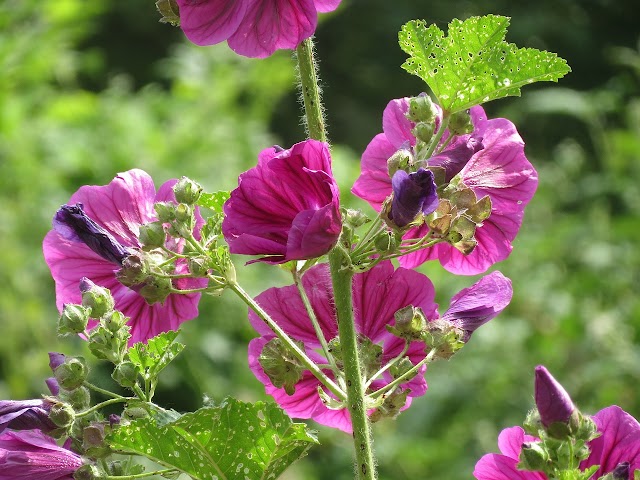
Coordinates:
x,y
395,124
270,25
324,6
374,182
211,21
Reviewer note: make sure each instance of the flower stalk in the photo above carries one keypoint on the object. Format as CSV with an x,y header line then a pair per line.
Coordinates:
x,y
342,280
310,91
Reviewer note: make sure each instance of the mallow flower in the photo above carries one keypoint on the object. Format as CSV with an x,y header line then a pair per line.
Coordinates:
x,y
552,401
285,208
96,232
25,415
377,295
253,28
618,443
490,161
30,454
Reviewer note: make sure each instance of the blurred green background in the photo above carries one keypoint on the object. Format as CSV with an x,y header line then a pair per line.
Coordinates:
x,y
91,88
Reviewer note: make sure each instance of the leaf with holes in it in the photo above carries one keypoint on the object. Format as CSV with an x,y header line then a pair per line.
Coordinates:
x,y
157,353
234,440
214,201
474,64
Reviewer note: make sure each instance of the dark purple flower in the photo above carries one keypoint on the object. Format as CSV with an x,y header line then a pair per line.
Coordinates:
x,y
253,28
73,224
377,295
56,359
622,471
619,442
413,193
474,306
489,161
285,208
552,400
25,415
32,455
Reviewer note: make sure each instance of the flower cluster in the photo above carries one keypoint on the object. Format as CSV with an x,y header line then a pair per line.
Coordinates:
x,y
486,161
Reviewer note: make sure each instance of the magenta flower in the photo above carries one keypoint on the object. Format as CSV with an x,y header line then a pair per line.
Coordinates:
x,y
378,294
25,415
253,28
285,208
552,401
94,233
490,161
30,454
619,443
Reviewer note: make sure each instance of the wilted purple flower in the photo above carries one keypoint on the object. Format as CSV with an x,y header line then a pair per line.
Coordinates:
x,y
89,242
253,28
490,161
474,306
552,400
619,442
30,454
377,295
413,193
25,415
285,208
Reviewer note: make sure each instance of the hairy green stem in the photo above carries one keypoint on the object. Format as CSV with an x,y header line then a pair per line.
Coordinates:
x,y
282,335
102,404
310,91
140,475
342,280
436,139
101,390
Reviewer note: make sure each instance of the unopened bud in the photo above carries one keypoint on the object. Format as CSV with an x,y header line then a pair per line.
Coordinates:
x,y
93,440
72,373
387,241
133,413
134,269
554,405
421,109
74,319
166,211
423,131
280,365
533,457
391,406
88,472
401,160
187,191
97,298
79,398
62,414
155,289
460,123
115,321
410,323
125,374
152,235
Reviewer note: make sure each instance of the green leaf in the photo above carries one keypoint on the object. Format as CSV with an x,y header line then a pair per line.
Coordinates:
x,y
234,440
157,353
214,201
474,64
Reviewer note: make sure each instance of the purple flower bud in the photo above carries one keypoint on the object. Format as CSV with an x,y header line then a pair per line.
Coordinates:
x,y
413,193
114,419
455,158
56,359
53,386
25,415
621,472
74,225
553,402
476,305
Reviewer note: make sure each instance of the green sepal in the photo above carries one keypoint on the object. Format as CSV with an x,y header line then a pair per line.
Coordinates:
x,y
281,366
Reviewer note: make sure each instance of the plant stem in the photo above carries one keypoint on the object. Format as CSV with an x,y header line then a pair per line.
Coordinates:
x,y
436,139
282,335
100,405
101,390
310,91
342,280
140,475
407,375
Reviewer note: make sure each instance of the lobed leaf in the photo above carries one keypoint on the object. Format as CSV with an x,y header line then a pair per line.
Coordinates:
x,y
214,201
156,354
474,64
235,440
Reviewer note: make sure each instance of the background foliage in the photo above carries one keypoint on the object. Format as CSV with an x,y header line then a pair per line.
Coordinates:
x,y
91,88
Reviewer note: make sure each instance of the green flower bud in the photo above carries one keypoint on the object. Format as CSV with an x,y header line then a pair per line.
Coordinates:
x,y
79,399
410,323
401,160
166,211
533,457
74,319
133,413
152,235
187,191
355,218
135,268
281,366
387,241
460,123
443,336
115,321
421,109
155,289
391,406
423,131
62,414
97,298
125,374
108,345
72,373
93,440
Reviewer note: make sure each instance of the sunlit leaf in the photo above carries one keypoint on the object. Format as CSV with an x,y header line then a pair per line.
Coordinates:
x,y
157,353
